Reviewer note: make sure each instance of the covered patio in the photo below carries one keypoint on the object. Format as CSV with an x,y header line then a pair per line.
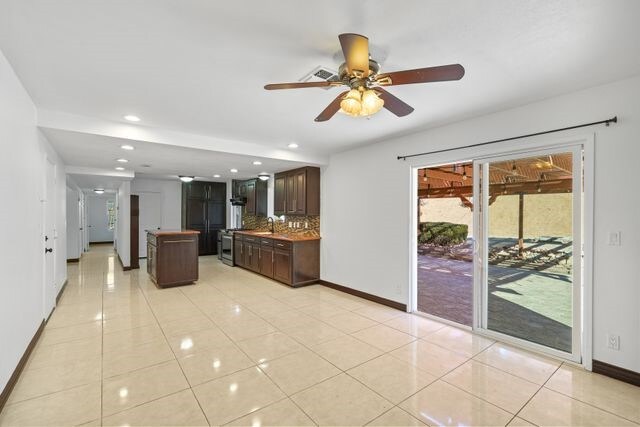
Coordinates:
x,y
530,248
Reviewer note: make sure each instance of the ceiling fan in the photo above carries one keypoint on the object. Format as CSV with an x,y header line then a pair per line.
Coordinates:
x,y
361,74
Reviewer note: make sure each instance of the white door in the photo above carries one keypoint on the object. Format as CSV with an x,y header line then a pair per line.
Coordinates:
x,y
150,218
530,229
99,229
49,209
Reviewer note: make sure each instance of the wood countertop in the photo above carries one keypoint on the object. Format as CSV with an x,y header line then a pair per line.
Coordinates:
x,y
293,237
172,232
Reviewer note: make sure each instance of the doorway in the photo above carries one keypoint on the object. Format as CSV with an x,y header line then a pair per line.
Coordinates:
x,y
524,249
101,218
445,243
49,236
531,247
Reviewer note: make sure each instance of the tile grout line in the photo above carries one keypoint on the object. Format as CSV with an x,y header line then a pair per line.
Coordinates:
x,y
516,415
153,313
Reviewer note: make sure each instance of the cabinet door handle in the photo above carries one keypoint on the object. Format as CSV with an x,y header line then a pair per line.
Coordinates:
x,y
259,253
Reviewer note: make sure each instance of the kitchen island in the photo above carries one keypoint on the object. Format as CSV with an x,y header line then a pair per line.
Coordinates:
x,y
293,259
172,257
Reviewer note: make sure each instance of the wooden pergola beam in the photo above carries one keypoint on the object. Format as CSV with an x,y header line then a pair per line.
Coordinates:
x,y
444,175
532,187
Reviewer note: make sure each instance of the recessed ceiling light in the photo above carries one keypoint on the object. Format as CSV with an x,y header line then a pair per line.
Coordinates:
x,y
234,170
184,178
119,168
99,190
293,145
122,160
257,162
127,147
132,118
216,176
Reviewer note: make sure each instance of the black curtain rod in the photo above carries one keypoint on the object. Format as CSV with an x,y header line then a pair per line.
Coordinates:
x,y
606,122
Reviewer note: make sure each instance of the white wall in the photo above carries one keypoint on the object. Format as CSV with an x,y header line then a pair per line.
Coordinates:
x,y
74,245
366,210
171,191
21,219
123,223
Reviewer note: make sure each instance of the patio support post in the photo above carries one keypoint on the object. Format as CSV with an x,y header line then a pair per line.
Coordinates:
x,y
521,225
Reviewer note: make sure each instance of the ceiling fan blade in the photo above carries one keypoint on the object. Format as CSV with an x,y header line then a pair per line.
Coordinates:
x,y
422,75
394,104
331,109
299,85
356,53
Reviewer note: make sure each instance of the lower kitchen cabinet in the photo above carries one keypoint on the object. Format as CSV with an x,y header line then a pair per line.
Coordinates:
x,y
294,263
172,257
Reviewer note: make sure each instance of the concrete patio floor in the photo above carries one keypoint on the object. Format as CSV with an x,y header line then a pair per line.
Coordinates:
x,y
526,303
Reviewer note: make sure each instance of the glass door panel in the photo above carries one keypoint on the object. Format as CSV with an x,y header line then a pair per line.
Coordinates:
x,y
531,217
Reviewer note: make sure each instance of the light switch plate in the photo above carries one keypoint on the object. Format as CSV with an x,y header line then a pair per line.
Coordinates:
x,y
615,238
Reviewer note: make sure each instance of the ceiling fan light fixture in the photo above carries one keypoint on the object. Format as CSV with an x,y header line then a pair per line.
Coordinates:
x,y
263,176
351,104
184,178
371,103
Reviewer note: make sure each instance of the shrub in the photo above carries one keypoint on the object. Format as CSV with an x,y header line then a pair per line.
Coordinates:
x,y
443,233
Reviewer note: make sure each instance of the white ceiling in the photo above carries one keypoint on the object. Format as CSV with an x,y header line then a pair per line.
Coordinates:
x,y
90,182
199,66
166,161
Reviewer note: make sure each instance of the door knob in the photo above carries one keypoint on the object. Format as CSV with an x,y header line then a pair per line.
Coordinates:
x,y
48,250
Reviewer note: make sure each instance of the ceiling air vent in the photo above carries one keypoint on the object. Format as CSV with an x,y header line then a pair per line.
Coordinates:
x,y
320,74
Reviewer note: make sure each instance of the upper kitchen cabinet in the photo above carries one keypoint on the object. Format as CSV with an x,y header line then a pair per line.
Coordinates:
x,y
255,193
297,192
204,210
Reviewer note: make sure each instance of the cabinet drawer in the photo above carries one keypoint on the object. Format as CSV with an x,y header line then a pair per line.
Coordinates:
x,y
266,242
250,239
238,237
282,244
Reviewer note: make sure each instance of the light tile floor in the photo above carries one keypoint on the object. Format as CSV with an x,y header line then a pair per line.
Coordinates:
x,y
239,349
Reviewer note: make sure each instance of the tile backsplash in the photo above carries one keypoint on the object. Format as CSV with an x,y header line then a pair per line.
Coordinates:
x,y
291,224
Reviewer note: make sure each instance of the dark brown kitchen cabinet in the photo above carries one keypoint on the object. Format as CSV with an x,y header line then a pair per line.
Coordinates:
x,y
266,257
238,250
297,192
204,210
254,191
293,262
172,257
279,197
251,248
282,265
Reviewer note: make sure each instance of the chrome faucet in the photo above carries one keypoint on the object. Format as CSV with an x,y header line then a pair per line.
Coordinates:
x,y
270,222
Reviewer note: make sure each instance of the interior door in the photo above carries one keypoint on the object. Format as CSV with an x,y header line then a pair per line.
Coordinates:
x,y
50,291
98,217
530,230
150,207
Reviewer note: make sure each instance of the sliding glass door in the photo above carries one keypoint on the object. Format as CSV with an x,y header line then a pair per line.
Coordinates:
x,y
529,229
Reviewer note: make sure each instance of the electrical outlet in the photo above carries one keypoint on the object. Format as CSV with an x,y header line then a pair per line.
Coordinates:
x,y
613,341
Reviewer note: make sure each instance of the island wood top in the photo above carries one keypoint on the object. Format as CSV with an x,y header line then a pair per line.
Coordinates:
x,y
172,232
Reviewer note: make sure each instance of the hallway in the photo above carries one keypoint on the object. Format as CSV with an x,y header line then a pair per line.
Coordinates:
x,y
237,348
